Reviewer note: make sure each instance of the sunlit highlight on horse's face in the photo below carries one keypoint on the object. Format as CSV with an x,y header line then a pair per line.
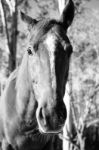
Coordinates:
x,y
48,69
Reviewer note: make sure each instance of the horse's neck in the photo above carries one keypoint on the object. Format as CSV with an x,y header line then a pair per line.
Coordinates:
x,y
23,86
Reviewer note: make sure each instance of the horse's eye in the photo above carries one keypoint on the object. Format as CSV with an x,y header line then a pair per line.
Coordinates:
x,y
30,51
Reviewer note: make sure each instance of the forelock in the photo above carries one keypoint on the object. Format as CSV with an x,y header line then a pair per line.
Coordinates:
x,y
42,29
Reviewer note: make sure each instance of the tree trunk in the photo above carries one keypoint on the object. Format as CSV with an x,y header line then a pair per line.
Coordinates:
x,y
13,41
11,63
11,38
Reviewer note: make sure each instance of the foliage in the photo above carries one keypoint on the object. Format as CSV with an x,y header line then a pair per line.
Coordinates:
x,y
84,35
84,77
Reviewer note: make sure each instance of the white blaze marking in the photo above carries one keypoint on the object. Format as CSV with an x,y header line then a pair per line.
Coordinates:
x,y
50,42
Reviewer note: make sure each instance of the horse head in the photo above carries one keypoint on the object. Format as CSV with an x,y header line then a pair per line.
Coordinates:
x,y
49,52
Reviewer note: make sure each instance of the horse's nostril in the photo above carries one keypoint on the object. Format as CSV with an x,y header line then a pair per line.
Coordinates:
x,y
42,116
51,118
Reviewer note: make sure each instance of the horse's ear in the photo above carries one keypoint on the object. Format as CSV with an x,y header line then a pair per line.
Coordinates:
x,y
28,20
67,14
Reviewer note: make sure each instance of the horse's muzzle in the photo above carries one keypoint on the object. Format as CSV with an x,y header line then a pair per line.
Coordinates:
x,y
52,120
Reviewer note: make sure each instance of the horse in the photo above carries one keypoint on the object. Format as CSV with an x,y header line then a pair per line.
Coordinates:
x,y
32,110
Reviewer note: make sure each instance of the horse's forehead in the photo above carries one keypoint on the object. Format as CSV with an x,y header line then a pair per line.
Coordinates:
x,y
50,42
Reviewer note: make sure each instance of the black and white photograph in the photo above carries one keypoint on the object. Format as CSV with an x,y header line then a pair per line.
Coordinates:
x,y
49,74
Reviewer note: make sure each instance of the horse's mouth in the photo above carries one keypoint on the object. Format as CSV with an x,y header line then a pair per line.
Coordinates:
x,y
51,132
34,130
31,130
46,130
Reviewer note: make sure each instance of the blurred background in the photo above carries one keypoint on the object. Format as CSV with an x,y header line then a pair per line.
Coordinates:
x,y
84,66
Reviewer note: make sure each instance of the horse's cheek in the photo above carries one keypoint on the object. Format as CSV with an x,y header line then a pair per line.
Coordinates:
x,y
34,68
